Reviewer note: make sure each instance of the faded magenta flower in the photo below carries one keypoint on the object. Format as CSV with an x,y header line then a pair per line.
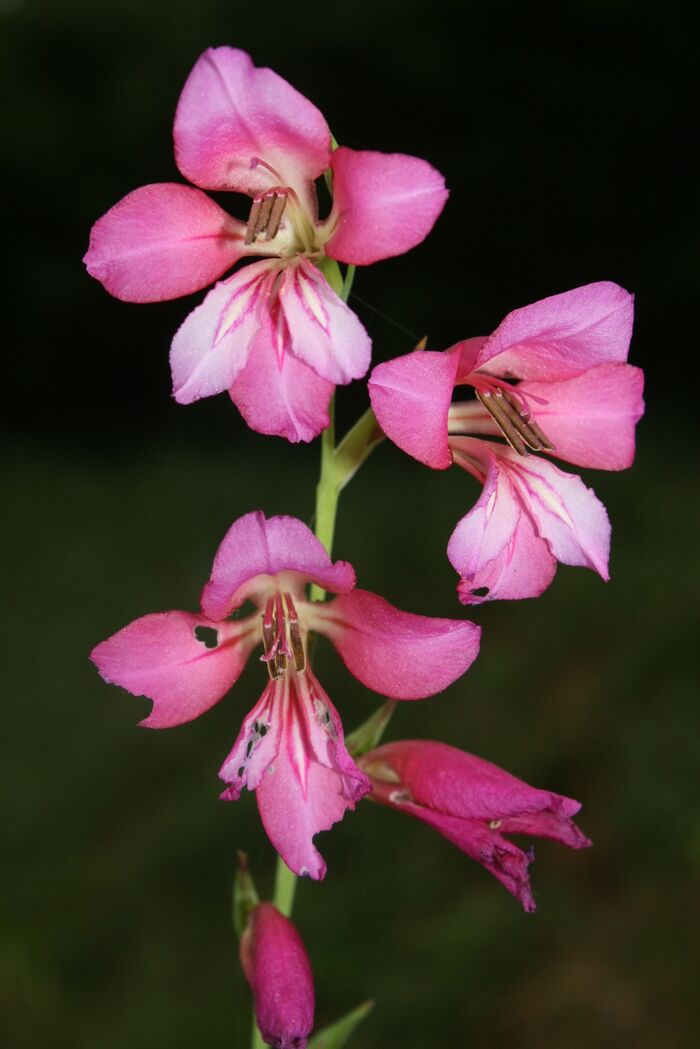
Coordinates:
x,y
290,749
275,335
278,970
473,804
552,378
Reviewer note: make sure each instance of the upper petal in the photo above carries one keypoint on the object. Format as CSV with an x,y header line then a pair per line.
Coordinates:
x,y
323,331
281,396
591,418
231,115
495,547
212,345
162,241
185,663
396,653
384,204
562,335
411,398
256,546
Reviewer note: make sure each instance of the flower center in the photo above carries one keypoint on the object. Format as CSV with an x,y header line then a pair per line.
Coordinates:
x,y
266,214
282,640
507,408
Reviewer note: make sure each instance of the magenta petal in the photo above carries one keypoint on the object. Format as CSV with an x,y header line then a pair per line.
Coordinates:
x,y
231,115
563,335
411,398
323,331
495,547
385,203
212,345
283,397
161,656
256,546
591,418
396,653
278,970
162,241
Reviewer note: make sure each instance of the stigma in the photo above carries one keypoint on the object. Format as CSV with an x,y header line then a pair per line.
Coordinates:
x,y
282,640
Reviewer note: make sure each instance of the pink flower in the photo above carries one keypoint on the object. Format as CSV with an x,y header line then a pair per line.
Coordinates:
x,y
290,749
473,804
278,970
274,334
552,378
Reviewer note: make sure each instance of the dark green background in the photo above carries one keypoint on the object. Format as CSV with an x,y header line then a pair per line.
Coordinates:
x,y
563,131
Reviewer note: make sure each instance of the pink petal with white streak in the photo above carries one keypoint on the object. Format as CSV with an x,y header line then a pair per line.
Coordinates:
x,y
255,549
232,114
411,398
396,653
281,396
160,656
163,241
591,418
495,548
323,332
212,346
563,335
384,204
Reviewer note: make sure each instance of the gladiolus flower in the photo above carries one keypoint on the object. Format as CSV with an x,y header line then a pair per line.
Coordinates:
x,y
473,804
553,379
290,749
275,335
278,970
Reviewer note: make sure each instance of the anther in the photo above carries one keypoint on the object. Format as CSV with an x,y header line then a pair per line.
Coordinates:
x,y
516,425
266,214
297,645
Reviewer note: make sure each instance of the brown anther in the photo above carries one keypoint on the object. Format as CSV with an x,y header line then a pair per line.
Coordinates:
x,y
269,633
295,641
516,425
266,214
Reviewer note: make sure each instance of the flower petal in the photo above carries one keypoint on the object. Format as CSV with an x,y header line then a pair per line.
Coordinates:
x,y
384,204
231,115
411,397
281,396
591,418
323,331
495,547
562,335
257,546
166,656
212,345
566,514
162,241
396,653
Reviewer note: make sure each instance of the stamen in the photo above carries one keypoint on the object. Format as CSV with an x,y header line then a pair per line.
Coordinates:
x,y
295,635
266,214
282,637
515,423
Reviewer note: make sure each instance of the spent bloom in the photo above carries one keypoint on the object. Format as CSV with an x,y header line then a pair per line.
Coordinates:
x,y
552,379
278,970
274,335
290,749
473,804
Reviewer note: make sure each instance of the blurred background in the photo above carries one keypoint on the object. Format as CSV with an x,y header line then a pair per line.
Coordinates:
x,y
563,130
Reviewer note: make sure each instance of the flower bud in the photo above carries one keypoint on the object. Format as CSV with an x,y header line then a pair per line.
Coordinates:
x,y
278,970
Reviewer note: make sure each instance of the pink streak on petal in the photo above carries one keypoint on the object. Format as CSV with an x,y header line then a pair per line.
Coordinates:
x,y
231,113
563,335
324,333
278,970
567,515
386,204
495,546
159,656
256,546
163,241
285,398
397,654
313,780
411,397
591,418
212,346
